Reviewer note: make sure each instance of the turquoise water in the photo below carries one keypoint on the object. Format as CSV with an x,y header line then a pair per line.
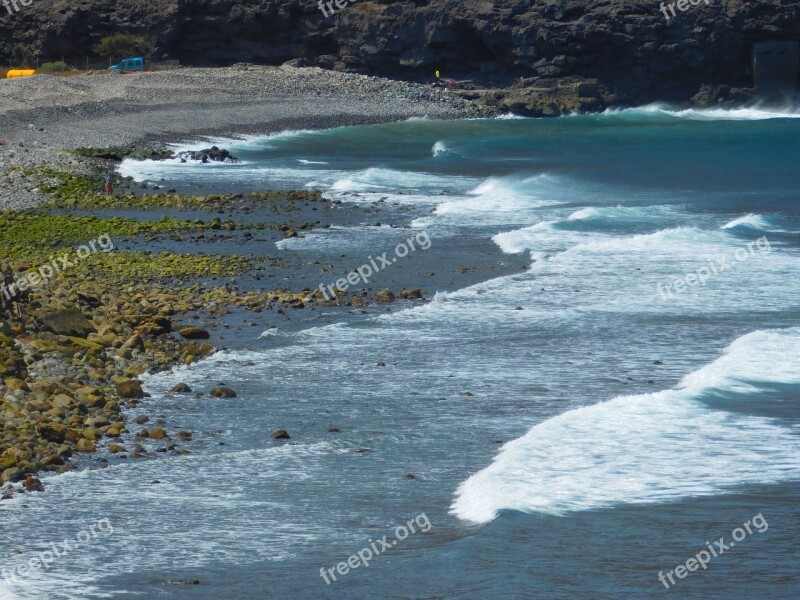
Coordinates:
x,y
573,429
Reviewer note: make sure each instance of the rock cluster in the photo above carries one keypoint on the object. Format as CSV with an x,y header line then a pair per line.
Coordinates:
x,y
213,154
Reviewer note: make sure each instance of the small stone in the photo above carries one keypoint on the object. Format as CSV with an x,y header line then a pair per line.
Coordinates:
x,y
281,434
181,388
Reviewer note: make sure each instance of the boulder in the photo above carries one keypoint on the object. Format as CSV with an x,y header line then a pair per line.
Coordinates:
x,y
194,333
181,388
32,484
281,434
385,296
223,392
130,389
413,294
157,434
55,432
14,384
69,321
85,445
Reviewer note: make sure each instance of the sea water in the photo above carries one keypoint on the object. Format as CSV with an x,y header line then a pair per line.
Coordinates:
x,y
572,430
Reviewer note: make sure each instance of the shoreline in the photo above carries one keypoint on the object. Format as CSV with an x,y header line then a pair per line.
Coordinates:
x,y
43,115
72,351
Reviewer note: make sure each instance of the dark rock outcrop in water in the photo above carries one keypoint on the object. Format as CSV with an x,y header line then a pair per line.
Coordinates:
x,y
619,50
213,154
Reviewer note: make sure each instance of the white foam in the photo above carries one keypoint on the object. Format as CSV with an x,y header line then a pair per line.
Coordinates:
x,y
753,221
6,593
501,200
648,448
711,114
390,180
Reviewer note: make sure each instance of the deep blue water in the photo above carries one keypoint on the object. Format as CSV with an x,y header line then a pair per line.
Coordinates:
x,y
573,429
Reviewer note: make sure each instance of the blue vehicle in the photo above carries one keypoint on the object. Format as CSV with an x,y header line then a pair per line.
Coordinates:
x,y
129,65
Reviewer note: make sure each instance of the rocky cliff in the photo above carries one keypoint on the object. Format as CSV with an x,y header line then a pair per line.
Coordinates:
x,y
628,51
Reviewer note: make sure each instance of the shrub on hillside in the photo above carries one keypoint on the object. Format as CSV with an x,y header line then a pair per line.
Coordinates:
x,y
58,66
124,45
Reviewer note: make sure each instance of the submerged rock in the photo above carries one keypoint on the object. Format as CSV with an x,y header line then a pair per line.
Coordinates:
x,y
281,434
32,484
413,294
157,434
223,392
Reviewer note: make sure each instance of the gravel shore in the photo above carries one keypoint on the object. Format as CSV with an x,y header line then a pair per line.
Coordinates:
x,y
39,116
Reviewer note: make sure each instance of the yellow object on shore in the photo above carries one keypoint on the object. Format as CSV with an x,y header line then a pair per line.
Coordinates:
x,y
20,73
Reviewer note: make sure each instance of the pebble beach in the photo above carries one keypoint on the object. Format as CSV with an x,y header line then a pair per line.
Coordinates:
x,y
42,115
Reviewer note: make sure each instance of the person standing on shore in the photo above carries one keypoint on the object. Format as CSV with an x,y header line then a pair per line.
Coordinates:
x,y
109,185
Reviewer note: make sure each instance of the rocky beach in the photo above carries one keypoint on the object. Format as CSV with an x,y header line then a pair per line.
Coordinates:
x,y
73,345
434,299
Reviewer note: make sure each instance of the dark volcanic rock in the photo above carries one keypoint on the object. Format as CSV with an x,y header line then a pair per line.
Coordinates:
x,y
209,154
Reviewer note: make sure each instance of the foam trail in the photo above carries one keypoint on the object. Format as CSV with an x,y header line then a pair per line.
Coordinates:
x,y
648,448
710,114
